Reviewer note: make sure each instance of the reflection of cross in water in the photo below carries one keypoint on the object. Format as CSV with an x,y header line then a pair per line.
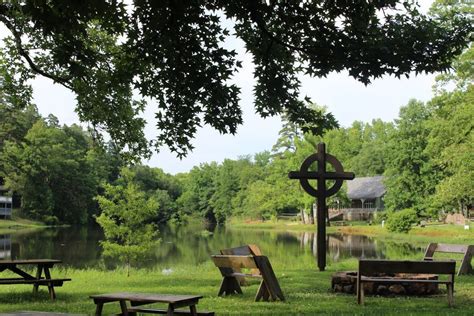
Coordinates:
x,y
321,193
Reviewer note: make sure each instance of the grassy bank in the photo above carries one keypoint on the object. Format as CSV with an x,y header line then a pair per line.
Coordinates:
x,y
18,222
307,292
446,233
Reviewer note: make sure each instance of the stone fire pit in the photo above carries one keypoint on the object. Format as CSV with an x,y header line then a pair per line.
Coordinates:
x,y
346,282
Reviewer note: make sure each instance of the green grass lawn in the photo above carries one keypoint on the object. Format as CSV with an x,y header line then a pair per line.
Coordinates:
x,y
307,292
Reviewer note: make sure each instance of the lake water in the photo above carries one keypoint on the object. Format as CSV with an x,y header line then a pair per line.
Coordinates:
x,y
80,247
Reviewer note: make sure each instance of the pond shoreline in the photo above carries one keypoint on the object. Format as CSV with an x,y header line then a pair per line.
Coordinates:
x,y
436,232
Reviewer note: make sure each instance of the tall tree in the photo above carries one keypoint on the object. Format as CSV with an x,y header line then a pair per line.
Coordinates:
x,y
410,178
451,139
127,220
373,155
50,171
174,52
199,187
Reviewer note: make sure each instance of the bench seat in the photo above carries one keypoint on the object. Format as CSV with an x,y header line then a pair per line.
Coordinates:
x,y
55,282
384,280
370,267
165,311
246,275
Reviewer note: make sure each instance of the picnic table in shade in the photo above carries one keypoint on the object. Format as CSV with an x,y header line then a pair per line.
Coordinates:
x,y
43,266
139,299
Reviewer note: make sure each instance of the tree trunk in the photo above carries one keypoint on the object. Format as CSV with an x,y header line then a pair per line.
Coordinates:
x,y
311,215
304,219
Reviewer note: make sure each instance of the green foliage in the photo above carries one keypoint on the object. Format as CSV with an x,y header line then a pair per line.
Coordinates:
x,y
381,216
174,53
401,221
451,139
410,177
426,156
50,171
127,219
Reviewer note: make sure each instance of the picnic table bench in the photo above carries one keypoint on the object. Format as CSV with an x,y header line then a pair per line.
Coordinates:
x,y
230,267
139,299
369,268
43,265
466,250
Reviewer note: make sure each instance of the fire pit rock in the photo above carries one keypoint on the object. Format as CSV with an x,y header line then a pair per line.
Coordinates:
x,y
346,282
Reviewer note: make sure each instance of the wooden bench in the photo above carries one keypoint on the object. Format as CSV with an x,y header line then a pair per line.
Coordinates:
x,y
369,268
134,310
466,250
246,250
138,299
37,280
230,267
55,282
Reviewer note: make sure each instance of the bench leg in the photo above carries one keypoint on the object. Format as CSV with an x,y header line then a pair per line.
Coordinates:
x,y
360,293
38,276
229,285
123,307
192,309
170,311
450,295
98,308
262,292
47,275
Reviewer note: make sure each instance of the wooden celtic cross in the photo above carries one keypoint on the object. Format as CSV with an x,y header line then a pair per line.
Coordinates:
x,y
321,193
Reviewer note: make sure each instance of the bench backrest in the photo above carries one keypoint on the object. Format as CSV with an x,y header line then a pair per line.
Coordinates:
x,y
369,267
446,248
234,262
246,250
466,250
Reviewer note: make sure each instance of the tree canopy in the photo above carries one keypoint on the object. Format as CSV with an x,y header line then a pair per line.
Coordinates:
x,y
116,57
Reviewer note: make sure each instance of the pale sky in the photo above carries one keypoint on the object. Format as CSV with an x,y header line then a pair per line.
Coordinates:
x,y
346,98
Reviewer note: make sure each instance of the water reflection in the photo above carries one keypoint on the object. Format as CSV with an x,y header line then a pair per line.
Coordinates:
x,y
5,247
192,244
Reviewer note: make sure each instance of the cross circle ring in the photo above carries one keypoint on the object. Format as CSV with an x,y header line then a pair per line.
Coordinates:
x,y
305,182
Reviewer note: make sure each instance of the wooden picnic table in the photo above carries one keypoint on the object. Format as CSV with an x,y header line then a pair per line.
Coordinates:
x,y
138,299
42,266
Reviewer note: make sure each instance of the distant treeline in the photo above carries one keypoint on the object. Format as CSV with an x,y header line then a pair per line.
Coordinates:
x,y
426,155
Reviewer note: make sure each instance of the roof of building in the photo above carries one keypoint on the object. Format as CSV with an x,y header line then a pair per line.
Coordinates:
x,y
365,188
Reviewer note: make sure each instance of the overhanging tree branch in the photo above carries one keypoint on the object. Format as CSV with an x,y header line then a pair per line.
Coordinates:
x,y
24,53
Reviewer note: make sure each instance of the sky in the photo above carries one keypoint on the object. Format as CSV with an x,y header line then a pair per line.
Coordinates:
x,y
346,98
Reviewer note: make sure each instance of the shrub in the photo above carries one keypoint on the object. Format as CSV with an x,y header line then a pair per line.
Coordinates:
x,y
381,216
50,220
401,221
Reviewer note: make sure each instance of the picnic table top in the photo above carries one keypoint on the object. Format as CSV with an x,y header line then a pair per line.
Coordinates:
x,y
147,297
29,261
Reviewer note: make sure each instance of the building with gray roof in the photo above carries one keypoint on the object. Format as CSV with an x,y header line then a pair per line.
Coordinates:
x,y
366,195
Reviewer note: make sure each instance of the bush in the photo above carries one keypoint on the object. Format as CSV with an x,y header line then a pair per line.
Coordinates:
x,y
50,220
381,216
401,221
